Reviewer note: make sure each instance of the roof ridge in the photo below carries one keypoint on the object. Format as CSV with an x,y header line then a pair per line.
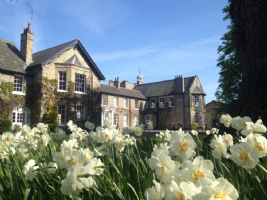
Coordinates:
x,y
120,87
163,81
55,46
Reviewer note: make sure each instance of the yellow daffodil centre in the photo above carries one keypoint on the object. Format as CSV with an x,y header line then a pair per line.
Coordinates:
x,y
198,174
184,146
219,196
72,162
244,156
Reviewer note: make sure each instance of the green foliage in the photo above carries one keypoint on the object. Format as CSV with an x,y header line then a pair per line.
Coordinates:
x,y
5,125
194,125
51,116
52,82
231,69
15,96
64,93
7,87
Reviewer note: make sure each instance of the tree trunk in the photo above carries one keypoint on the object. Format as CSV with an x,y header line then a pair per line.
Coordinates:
x,y
250,38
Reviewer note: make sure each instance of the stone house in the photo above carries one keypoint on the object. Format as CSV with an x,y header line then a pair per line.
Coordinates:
x,y
123,105
173,103
65,74
212,120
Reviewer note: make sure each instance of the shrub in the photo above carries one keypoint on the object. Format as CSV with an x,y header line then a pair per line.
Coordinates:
x,y
194,125
5,125
51,116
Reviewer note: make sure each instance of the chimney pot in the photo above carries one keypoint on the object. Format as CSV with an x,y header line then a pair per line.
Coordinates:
x,y
29,27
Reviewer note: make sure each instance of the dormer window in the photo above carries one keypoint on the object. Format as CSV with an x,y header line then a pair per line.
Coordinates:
x,y
152,103
80,83
18,85
62,82
196,100
161,102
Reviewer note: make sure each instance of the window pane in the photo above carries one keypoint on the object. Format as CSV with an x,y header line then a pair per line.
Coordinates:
x,y
62,84
136,104
105,100
79,83
18,83
61,114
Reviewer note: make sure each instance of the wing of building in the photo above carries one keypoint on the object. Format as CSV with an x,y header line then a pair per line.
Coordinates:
x,y
64,74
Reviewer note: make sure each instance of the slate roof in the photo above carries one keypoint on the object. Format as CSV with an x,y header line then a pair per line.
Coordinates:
x,y
162,88
198,90
48,55
113,90
150,111
11,58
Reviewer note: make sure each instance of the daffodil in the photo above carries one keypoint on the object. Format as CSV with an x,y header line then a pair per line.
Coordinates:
x,y
226,120
219,148
30,170
157,192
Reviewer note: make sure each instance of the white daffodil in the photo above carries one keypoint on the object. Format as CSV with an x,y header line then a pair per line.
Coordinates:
x,y
23,153
226,120
69,145
220,189
25,130
161,161
95,167
259,142
256,128
73,158
239,123
87,154
193,132
207,132
138,131
219,148
8,138
228,139
3,147
59,159
89,125
157,192
199,171
181,191
43,128
245,155
150,125
45,139
29,170
214,131
183,145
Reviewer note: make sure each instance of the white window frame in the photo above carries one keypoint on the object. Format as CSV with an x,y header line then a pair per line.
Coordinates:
x,y
171,103
116,119
161,103
197,117
125,101
196,100
116,102
60,114
136,120
136,104
21,85
125,120
62,81
105,100
153,103
146,119
21,116
81,110
80,84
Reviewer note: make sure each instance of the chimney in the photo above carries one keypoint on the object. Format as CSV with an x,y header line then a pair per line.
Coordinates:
x,y
117,82
111,82
26,44
178,84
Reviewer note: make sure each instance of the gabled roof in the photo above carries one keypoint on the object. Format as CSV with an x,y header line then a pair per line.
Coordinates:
x,y
198,90
11,58
48,55
108,89
162,88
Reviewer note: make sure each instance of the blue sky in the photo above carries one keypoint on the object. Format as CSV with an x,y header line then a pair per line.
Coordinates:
x,y
165,38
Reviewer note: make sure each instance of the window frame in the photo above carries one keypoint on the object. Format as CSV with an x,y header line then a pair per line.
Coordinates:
x,y
161,102
22,92
171,102
83,110
197,117
196,100
125,102
116,103
58,88
146,120
115,119
153,104
61,124
125,120
105,95
79,84
136,120
136,103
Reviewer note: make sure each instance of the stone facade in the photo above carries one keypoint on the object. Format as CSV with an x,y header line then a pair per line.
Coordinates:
x,y
65,74
212,120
